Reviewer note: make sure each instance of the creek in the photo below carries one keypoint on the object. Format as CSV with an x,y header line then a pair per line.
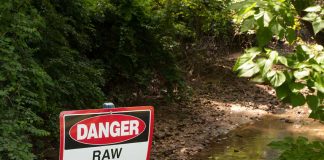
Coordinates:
x,y
250,141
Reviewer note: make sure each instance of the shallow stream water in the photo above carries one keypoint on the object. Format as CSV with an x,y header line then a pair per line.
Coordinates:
x,y
250,141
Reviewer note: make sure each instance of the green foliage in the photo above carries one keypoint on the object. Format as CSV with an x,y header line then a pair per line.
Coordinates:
x,y
267,18
140,42
299,149
297,77
20,94
59,55
190,28
292,75
315,16
133,56
40,74
191,19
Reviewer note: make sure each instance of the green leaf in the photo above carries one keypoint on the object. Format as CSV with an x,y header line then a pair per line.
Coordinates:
x,y
289,19
320,95
279,145
312,102
276,28
248,5
276,78
248,24
301,74
273,55
289,76
283,60
291,35
254,50
250,8
265,65
320,59
249,71
318,26
258,15
301,53
314,115
317,68
319,83
264,36
313,9
247,65
242,60
3,93
267,17
317,114
282,92
258,79
297,99
310,83
296,87
310,17
246,58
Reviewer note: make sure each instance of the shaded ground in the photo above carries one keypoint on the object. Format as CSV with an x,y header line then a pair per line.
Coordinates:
x,y
221,102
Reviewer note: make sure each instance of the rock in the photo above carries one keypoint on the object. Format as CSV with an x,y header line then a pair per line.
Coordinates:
x,y
183,150
160,135
288,121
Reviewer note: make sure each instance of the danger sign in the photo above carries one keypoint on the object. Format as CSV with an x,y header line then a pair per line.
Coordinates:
x,y
106,134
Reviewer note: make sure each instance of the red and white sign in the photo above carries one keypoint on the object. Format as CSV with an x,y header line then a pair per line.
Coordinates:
x,y
107,134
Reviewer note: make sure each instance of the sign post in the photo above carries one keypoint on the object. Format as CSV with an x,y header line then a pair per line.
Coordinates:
x,y
107,134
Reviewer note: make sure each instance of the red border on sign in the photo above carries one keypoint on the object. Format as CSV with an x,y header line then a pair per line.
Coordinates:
x,y
122,109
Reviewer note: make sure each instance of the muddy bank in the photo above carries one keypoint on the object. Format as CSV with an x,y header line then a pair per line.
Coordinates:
x,y
220,103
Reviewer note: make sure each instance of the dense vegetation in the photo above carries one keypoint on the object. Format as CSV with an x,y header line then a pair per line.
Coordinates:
x,y
58,55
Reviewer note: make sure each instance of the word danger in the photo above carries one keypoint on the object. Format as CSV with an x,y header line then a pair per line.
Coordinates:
x,y
107,129
107,154
123,128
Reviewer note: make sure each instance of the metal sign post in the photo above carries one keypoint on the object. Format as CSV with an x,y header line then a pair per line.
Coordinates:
x,y
108,105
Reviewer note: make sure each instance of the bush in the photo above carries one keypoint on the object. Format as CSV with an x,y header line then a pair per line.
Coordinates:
x,y
41,74
299,149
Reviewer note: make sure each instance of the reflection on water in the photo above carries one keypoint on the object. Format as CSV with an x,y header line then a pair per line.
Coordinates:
x,y
250,142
